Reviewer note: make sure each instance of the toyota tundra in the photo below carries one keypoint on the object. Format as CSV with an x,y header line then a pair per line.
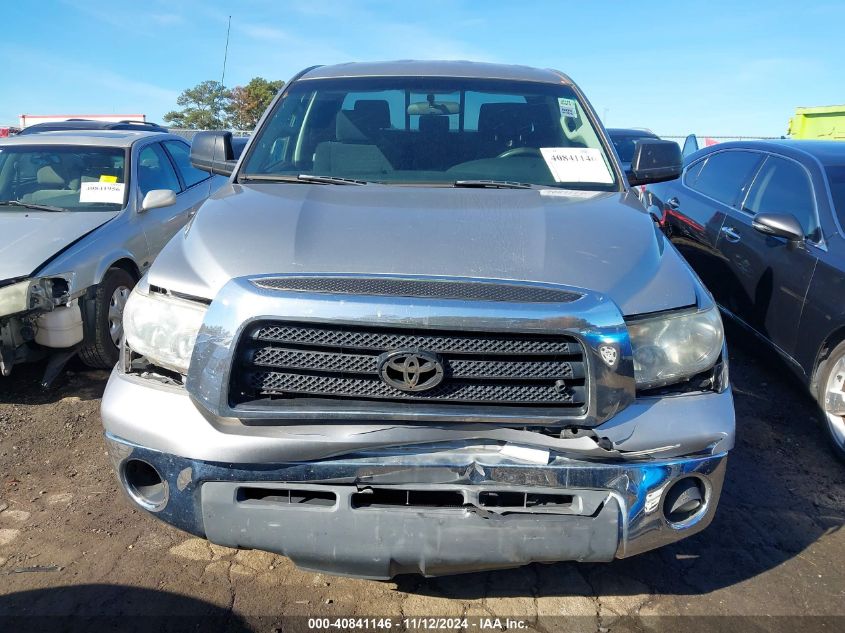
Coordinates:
x,y
426,327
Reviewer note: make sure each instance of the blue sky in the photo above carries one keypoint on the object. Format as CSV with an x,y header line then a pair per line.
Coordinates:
x,y
709,67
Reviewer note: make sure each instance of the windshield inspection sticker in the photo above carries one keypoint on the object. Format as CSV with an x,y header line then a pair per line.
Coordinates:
x,y
576,164
567,107
111,192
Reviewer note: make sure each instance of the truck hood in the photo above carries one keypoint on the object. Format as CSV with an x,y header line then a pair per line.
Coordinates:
x,y
29,238
604,243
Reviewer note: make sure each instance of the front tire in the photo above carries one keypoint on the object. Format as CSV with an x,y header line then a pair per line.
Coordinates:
x,y
830,394
101,348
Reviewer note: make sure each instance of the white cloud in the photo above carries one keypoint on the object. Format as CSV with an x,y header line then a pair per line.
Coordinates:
x,y
166,19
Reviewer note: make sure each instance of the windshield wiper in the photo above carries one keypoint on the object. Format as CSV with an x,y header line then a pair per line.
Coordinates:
x,y
29,205
493,184
306,178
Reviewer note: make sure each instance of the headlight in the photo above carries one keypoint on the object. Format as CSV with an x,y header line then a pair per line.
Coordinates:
x,y
14,298
161,327
672,347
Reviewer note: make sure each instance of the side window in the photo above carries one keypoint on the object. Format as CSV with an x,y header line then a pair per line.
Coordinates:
x,y
155,170
783,187
724,173
692,172
181,155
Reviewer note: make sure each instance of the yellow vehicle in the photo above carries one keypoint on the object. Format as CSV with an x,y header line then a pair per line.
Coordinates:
x,y
820,122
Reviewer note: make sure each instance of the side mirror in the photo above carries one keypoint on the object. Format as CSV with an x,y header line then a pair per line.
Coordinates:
x,y
158,198
212,152
238,145
654,161
779,225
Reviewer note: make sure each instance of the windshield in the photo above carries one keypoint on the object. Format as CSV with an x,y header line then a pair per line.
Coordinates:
x,y
413,130
836,178
69,178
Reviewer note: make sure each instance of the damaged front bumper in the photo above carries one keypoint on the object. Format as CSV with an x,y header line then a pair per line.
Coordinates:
x,y
376,500
41,311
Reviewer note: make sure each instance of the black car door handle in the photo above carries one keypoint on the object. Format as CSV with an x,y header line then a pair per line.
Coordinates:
x,y
730,234
673,203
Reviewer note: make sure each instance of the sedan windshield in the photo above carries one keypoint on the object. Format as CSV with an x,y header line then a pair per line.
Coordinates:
x,y
438,131
62,178
836,178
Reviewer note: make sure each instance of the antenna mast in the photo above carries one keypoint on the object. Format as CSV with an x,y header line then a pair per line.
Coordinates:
x,y
225,57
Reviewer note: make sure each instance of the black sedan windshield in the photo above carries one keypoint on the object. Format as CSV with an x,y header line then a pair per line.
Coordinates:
x,y
836,177
416,130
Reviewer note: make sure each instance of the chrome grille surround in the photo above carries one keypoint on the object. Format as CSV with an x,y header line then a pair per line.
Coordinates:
x,y
243,305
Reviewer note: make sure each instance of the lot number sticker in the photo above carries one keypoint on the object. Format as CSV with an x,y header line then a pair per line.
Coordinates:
x,y
576,164
111,192
567,107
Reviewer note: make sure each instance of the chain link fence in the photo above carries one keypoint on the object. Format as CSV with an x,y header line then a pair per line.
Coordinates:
x,y
711,139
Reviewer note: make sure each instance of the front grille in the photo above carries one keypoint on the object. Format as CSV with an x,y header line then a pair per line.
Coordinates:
x,y
281,361
421,288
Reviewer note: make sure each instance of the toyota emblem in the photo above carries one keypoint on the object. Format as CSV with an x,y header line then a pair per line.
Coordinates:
x,y
411,370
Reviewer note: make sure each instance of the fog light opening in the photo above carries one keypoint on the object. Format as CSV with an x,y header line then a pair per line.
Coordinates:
x,y
145,485
685,500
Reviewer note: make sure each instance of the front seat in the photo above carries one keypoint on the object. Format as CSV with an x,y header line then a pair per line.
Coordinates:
x,y
49,184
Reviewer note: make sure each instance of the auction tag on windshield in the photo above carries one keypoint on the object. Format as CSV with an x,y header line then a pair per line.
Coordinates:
x,y
576,164
567,107
111,192
107,178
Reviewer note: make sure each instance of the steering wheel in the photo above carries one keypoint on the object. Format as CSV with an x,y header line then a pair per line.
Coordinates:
x,y
520,151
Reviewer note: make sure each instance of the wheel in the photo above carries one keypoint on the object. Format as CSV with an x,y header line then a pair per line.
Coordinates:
x,y
520,151
830,394
105,320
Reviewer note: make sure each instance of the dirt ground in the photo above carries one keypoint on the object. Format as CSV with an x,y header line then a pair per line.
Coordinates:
x,y
72,546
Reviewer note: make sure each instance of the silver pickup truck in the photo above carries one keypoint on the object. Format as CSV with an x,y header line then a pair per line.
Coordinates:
x,y
425,328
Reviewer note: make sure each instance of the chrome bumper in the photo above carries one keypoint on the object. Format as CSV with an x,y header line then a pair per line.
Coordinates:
x,y
616,510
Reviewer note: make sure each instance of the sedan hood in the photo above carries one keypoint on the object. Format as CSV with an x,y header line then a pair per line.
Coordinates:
x,y
29,238
603,242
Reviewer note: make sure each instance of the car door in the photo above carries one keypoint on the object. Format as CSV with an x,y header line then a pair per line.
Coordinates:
x,y
696,205
767,277
154,170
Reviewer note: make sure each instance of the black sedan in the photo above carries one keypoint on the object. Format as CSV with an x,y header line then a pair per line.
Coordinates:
x,y
761,223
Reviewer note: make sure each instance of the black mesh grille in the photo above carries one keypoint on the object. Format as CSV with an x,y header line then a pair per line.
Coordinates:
x,y
384,340
280,361
460,392
423,288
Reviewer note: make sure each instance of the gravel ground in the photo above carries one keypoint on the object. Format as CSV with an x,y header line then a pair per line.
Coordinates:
x,y
71,545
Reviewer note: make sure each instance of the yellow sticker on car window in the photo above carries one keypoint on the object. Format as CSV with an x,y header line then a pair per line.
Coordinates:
x,y
105,178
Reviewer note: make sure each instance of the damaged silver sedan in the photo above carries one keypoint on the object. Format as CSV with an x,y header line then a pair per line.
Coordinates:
x,y
82,215
415,333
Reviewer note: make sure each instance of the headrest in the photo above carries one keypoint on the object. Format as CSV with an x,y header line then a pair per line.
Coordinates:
x,y
48,176
434,124
510,119
363,122
372,113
